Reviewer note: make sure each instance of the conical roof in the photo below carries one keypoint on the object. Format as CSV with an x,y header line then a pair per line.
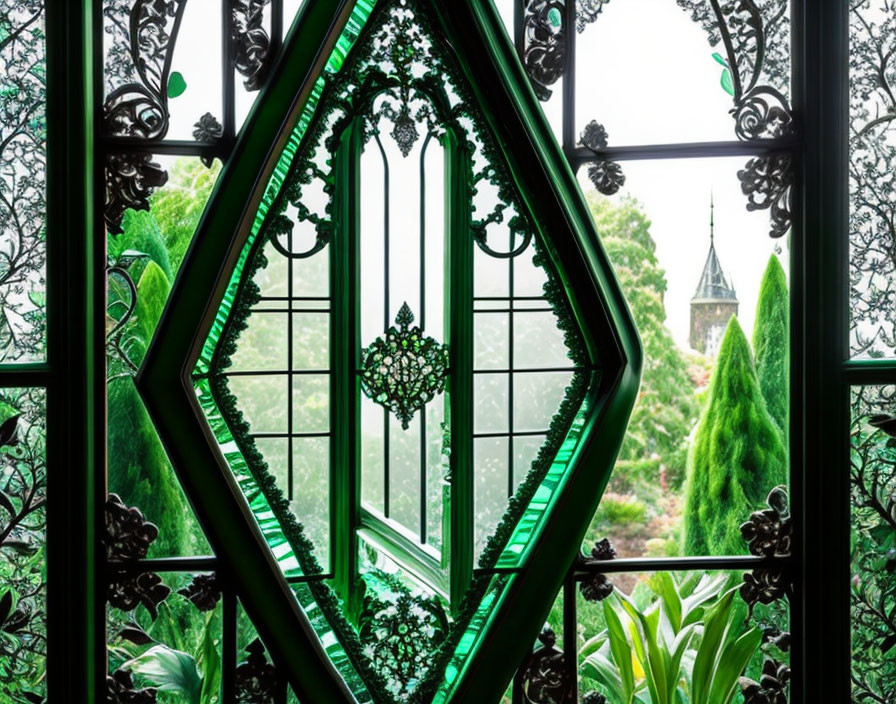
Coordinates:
x,y
713,284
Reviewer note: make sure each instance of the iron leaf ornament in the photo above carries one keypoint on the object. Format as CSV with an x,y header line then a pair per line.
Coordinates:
x,y
405,369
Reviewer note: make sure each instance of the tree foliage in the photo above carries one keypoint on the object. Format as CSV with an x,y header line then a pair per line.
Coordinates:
x,y
737,455
771,341
665,409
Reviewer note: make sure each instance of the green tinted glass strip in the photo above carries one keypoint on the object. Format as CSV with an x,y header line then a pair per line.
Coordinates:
x,y
471,637
530,524
351,32
261,509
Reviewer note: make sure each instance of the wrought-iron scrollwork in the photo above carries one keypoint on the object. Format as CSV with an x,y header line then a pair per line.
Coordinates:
x,y
587,12
138,106
772,685
405,369
768,534
131,178
120,342
760,110
257,681
544,51
120,689
606,175
204,591
127,538
251,43
596,586
545,677
207,130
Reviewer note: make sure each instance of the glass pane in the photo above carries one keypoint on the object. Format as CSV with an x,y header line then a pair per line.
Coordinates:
x,y
22,183
275,452
372,455
265,346
873,542
262,401
491,337
537,397
311,492
525,450
490,403
538,342
437,471
659,53
404,473
872,155
23,523
311,341
311,403
709,291
490,468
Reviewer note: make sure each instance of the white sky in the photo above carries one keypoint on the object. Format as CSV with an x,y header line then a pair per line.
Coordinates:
x,y
646,72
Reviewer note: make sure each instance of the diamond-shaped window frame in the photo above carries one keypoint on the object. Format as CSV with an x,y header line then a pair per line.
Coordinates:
x,y
500,635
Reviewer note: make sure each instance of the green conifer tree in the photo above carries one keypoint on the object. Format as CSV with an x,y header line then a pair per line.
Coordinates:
x,y
737,455
771,338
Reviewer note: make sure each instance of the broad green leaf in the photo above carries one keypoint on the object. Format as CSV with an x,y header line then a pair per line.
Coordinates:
x,y
710,646
176,84
622,652
671,599
718,57
731,665
601,670
169,671
727,82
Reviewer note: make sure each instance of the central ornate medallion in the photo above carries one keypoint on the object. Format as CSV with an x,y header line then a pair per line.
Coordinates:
x,y
405,369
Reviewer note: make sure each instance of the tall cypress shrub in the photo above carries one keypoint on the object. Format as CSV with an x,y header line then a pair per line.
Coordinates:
x,y
737,455
771,340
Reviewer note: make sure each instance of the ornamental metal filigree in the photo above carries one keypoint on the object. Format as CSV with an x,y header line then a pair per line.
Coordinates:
x,y
596,586
760,110
138,66
127,538
251,43
771,687
131,178
594,698
405,369
207,130
204,591
257,681
606,175
120,690
544,49
545,677
587,12
769,534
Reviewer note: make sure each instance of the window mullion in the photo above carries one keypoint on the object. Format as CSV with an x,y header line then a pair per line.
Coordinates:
x,y
345,439
459,294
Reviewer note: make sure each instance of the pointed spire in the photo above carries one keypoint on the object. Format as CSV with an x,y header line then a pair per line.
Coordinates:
x,y
714,285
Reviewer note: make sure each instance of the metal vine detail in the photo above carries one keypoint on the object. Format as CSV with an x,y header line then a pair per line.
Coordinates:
x,y
606,175
544,676
131,178
587,12
120,690
405,369
760,110
544,49
127,538
136,105
257,681
251,43
204,591
207,130
768,533
596,586
771,687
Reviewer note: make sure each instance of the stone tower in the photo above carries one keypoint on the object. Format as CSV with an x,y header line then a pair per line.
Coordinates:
x,y
714,301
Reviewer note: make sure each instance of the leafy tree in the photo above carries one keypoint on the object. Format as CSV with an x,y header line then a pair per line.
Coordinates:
x,y
665,410
737,455
771,341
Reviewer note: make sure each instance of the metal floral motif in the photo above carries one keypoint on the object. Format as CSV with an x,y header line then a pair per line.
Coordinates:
x,y
120,690
769,532
596,586
256,679
405,132
127,538
544,51
587,12
404,370
251,43
771,687
141,61
204,591
606,175
594,698
545,677
760,110
767,181
131,178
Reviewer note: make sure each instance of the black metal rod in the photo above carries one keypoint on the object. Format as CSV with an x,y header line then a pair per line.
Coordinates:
x,y
677,564
25,375
290,263
569,77
200,563
220,148
228,90
423,326
685,150
570,637
291,434
229,653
